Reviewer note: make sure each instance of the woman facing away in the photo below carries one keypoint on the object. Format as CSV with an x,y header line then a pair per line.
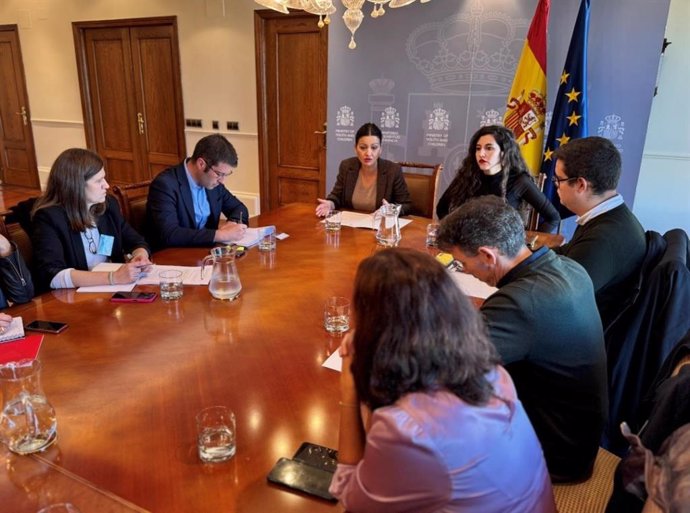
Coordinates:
x,y
494,165
77,226
364,182
446,432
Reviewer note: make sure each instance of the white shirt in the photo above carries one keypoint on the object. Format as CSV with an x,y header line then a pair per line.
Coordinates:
x,y
601,208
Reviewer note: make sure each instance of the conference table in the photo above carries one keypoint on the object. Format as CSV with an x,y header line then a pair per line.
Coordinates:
x,y
126,380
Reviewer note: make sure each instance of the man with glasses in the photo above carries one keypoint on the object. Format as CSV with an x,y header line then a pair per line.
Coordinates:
x,y
544,323
185,201
609,241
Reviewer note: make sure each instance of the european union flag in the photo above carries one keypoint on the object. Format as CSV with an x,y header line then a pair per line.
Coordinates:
x,y
569,119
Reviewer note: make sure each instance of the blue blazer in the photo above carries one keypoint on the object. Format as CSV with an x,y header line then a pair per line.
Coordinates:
x,y
170,211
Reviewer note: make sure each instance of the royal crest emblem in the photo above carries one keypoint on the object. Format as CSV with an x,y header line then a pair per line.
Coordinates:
x,y
390,118
490,117
439,118
345,116
525,116
611,127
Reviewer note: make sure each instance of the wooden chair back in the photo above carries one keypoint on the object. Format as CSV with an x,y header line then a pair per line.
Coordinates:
x,y
14,232
422,182
132,199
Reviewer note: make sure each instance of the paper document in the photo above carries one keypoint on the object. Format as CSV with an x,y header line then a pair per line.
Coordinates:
x,y
253,235
359,220
190,276
334,362
471,286
107,267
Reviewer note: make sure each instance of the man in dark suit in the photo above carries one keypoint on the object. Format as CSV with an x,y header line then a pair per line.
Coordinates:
x,y
185,201
609,241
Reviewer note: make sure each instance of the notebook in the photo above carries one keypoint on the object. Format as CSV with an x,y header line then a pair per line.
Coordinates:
x,y
14,331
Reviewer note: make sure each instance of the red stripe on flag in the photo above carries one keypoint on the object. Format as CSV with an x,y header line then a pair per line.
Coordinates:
x,y
536,37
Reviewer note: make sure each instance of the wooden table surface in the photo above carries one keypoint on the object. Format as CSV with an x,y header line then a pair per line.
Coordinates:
x,y
126,381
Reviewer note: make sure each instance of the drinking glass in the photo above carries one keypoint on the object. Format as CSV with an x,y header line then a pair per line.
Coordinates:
x,y
431,234
336,314
216,435
171,285
268,242
333,220
63,507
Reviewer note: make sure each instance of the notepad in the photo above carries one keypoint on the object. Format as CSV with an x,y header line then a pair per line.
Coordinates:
x,y
253,235
14,331
22,349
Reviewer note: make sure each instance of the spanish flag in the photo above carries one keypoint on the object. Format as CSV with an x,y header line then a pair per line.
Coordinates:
x,y
526,107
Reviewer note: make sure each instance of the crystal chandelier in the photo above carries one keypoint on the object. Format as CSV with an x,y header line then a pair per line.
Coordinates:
x,y
353,16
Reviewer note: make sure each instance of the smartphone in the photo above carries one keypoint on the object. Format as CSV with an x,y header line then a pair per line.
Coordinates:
x,y
46,326
133,297
300,476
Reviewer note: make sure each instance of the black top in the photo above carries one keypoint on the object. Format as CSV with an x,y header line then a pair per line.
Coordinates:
x,y
544,322
58,247
15,279
520,187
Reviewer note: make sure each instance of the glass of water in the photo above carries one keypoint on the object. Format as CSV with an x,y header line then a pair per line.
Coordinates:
x,y
268,242
431,235
336,314
333,220
216,436
171,285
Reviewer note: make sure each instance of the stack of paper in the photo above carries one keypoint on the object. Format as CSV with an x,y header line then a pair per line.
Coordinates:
x,y
190,276
14,331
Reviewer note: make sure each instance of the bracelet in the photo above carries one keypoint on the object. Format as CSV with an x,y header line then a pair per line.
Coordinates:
x,y
348,405
110,278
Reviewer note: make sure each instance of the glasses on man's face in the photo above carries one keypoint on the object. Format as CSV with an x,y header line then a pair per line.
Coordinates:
x,y
557,181
221,176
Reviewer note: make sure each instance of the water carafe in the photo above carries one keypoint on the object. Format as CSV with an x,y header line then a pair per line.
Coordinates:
x,y
387,224
27,420
225,281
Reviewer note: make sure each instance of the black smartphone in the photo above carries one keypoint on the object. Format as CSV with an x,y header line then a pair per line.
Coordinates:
x,y
46,326
317,456
300,476
134,297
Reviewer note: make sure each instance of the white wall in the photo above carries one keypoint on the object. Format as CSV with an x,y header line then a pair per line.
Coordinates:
x,y
216,58
662,199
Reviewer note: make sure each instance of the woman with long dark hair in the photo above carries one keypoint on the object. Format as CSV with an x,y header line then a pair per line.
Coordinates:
x,y
494,165
446,430
76,226
364,182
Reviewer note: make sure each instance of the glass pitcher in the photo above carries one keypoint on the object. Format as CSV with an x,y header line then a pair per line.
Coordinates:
x,y
225,281
27,420
387,224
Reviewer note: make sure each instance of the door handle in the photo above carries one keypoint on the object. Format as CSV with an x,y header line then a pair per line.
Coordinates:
x,y
140,121
24,115
320,133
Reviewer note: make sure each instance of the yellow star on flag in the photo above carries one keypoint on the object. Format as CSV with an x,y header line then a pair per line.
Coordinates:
x,y
548,154
564,77
573,118
563,139
572,95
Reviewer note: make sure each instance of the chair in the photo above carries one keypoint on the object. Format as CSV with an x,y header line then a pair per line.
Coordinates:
x,y
592,495
533,215
640,339
422,186
132,199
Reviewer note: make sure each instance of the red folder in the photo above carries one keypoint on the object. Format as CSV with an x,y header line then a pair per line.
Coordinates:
x,y
20,349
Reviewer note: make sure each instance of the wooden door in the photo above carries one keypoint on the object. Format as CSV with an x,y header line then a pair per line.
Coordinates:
x,y
292,61
17,152
131,95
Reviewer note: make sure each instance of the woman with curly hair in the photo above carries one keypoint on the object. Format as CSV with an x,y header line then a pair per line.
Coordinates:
x,y
494,165
445,431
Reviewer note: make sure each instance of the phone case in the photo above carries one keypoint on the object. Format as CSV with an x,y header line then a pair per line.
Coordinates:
x,y
29,327
317,456
300,476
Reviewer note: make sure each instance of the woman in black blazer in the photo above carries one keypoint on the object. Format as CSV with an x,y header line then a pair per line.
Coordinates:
x,y
76,226
366,181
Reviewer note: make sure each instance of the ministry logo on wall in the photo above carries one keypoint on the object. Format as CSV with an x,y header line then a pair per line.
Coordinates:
x,y
612,127
469,61
345,124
